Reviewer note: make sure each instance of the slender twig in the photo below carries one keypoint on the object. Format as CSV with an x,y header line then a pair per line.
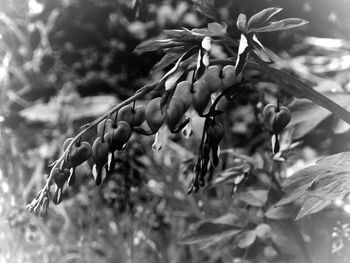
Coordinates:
x,y
141,92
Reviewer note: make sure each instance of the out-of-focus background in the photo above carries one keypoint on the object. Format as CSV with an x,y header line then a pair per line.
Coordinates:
x,y
65,62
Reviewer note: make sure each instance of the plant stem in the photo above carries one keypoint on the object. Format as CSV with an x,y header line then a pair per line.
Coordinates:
x,y
142,91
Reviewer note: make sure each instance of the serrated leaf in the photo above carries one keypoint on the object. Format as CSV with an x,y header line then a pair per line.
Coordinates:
x,y
263,16
209,230
280,25
242,23
320,184
246,239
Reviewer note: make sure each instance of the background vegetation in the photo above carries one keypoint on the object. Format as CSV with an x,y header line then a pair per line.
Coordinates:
x,y
64,63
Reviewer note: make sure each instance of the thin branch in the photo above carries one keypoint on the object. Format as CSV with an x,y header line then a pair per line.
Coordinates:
x,y
142,91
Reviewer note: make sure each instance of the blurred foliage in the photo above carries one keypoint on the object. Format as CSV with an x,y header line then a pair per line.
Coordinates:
x,y
64,63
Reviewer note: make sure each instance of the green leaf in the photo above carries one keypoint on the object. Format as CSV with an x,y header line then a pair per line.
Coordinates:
x,y
206,7
242,23
173,79
319,185
299,89
243,51
259,49
255,198
217,29
260,18
227,175
279,212
166,60
307,115
155,45
280,25
210,230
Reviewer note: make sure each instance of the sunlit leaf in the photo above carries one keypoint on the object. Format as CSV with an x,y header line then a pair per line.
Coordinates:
x,y
319,185
260,18
280,25
242,54
173,79
259,49
225,176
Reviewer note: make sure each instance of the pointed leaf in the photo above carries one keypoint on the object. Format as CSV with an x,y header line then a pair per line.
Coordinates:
x,y
280,25
242,54
155,45
320,184
280,212
259,49
312,205
166,60
209,230
173,79
260,18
